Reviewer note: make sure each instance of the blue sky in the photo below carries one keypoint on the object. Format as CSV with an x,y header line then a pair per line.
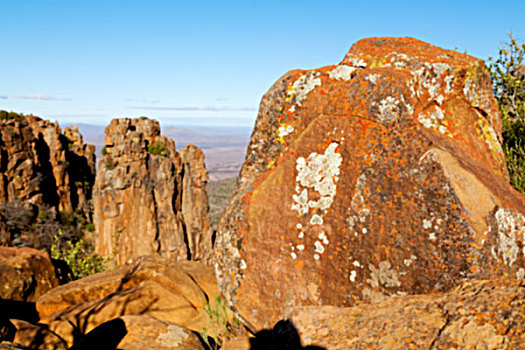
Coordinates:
x,y
206,62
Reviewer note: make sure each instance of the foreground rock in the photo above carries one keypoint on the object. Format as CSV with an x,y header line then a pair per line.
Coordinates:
x,y
142,192
378,176
41,165
475,315
137,333
169,298
25,274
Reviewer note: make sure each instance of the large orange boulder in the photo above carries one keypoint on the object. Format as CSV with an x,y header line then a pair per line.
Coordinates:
x,y
378,176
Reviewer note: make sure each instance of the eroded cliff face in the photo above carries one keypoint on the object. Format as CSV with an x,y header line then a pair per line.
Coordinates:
x,y
140,192
40,165
195,207
378,176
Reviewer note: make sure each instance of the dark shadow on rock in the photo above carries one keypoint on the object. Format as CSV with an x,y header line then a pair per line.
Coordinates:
x,y
7,329
62,271
106,336
20,310
283,336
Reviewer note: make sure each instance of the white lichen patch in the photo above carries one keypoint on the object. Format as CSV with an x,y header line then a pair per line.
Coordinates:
x,y
356,61
372,78
323,238
387,109
353,275
383,275
319,172
172,338
427,224
284,130
511,229
343,72
303,86
431,78
319,248
434,119
316,220
520,274
242,264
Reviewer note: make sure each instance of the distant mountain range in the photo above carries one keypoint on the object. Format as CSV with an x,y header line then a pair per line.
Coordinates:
x,y
224,147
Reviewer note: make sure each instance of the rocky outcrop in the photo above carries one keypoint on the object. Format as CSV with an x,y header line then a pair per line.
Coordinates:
x,y
175,298
195,207
25,274
378,176
41,165
142,194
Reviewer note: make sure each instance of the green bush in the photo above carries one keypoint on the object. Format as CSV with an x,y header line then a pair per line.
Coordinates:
x,y
78,255
508,79
104,151
158,149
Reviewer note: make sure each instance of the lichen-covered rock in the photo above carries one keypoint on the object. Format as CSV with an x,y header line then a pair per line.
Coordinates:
x,y
138,196
42,166
378,176
25,274
475,315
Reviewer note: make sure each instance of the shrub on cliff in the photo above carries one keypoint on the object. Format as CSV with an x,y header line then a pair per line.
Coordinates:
x,y
158,149
508,79
5,115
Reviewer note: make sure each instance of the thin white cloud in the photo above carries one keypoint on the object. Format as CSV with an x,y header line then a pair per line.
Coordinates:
x,y
142,101
3,97
42,97
195,108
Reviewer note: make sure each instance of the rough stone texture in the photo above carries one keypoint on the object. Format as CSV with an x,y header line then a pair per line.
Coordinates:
x,y
475,315
195,207
40,165
139,193
25,274
146,332
37,337
10,346
172,292
378,176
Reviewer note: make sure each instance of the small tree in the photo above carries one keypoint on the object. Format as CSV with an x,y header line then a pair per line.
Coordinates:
x,y
508,79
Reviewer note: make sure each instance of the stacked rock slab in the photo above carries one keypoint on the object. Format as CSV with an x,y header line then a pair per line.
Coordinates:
x,y
42,166
139,196
378,176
